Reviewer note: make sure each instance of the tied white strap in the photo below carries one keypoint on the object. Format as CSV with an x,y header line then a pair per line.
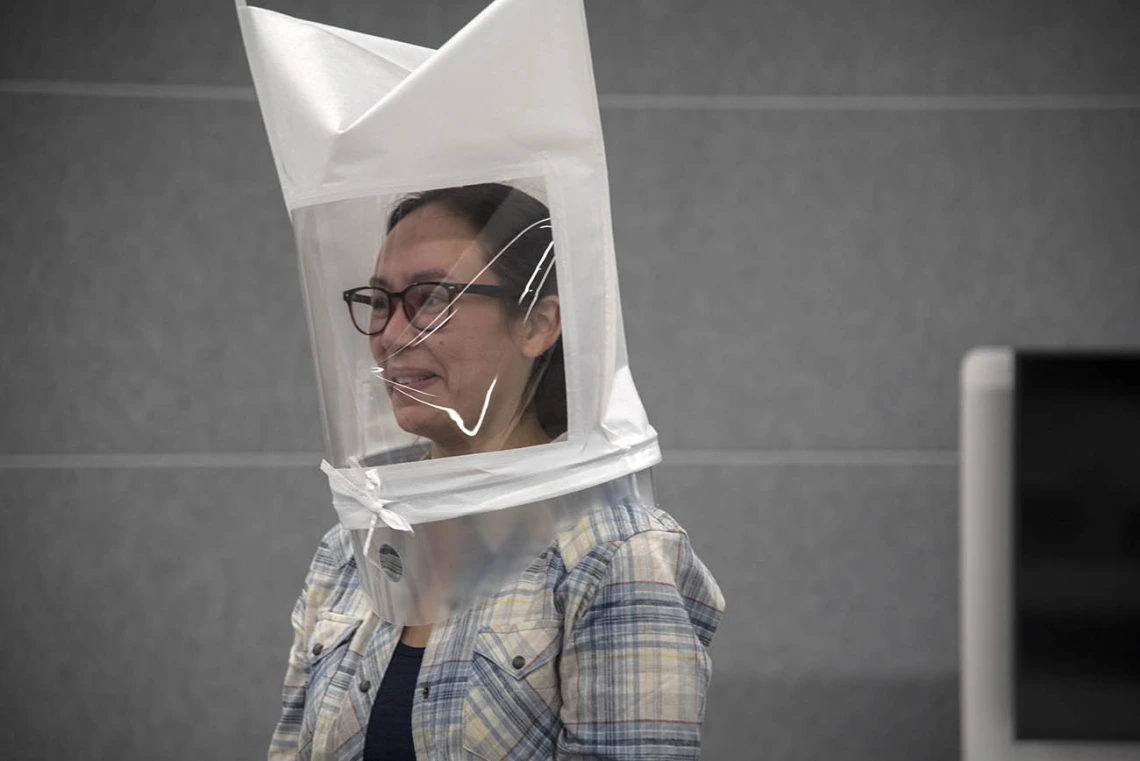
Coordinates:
x,y
368,499
371,531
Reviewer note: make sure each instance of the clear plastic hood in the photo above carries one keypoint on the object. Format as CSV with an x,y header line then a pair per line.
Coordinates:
x,y
451,213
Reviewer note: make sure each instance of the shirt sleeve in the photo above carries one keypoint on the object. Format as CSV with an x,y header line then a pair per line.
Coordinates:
x,y
635,665
286,736
323,583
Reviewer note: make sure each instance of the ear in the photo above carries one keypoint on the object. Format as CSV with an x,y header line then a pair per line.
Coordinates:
x,y
542,328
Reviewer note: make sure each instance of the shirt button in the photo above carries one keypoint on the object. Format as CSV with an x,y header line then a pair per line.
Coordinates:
x,y
427,691
317,648
365,686
518,662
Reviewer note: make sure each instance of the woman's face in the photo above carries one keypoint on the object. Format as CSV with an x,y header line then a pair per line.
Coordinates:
x,y
454,363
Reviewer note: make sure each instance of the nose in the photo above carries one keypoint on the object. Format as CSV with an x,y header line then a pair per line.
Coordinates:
x,y
396,335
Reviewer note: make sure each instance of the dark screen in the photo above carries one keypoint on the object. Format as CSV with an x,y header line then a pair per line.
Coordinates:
x,y
1076,572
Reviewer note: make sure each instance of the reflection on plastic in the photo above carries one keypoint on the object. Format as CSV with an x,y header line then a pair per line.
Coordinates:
x,y
451,413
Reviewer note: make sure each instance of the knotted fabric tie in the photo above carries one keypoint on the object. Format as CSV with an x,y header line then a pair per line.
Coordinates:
x,y
369,498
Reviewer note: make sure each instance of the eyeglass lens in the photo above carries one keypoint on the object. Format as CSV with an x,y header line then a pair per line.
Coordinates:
x,y
423,304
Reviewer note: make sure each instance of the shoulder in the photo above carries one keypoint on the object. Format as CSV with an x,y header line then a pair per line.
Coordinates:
x,y
333,552
332,584
604,529
629,554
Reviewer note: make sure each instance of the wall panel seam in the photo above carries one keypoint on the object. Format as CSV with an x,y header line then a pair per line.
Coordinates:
x,y
640,101
675,457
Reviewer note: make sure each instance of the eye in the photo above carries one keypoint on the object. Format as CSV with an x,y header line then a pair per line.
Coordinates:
x,y
432,298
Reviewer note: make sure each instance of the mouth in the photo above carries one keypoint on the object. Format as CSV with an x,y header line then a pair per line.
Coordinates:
x,y
418,381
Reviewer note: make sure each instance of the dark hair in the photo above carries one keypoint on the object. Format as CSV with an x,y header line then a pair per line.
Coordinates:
x,y
501,214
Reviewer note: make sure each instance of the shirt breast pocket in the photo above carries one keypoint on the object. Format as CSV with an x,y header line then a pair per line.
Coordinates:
x,y
327,645
514,694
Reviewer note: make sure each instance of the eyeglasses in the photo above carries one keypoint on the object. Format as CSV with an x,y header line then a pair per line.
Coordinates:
x,y
426,305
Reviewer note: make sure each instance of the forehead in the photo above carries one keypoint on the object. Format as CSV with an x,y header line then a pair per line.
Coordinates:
x,y
432,240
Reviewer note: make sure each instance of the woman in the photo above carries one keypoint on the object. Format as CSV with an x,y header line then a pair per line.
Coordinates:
x,y
599,649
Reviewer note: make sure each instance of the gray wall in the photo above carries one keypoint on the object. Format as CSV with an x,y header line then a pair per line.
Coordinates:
x,y
818,209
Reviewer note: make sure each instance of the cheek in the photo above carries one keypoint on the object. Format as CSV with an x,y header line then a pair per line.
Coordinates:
x,y
476,356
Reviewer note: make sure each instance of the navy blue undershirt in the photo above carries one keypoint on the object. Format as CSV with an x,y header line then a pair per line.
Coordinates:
x,y
389,735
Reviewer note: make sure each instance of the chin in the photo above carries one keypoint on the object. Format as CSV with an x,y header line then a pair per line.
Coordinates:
x,y
425,422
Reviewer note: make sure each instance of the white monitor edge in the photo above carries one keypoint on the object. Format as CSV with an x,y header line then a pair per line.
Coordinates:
x,y
985,514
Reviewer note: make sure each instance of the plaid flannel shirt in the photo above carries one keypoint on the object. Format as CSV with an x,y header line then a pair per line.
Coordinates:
x,y
612,623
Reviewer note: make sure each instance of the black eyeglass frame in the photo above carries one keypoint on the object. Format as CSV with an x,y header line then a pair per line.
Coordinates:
x,y
454,290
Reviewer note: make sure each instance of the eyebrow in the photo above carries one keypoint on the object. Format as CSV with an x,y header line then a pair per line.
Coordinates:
x,y
418,277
